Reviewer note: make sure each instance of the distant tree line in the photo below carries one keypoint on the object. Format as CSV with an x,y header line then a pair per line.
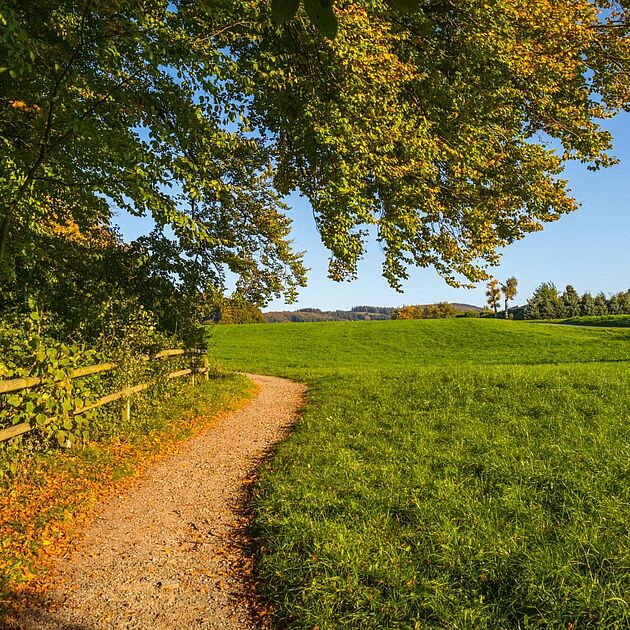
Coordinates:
x,y
379,310
440,310
547,303
357,313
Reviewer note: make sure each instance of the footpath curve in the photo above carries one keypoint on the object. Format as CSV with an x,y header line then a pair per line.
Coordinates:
x,y
170,553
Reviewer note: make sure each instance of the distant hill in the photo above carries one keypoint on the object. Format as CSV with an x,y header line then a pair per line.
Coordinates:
x,y
356,313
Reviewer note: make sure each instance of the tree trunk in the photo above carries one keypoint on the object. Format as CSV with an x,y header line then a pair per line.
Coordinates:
x,y
4,235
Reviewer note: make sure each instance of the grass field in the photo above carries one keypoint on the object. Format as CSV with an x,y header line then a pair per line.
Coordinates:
x,y
446,474
618,321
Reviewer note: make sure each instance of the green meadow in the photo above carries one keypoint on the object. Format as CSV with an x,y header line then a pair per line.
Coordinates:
x,y
622,321
445,474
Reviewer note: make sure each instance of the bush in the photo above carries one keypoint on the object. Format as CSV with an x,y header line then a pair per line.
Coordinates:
x,y
26,351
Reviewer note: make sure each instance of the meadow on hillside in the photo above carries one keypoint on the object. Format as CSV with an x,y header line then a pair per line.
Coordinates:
x,y
460,473
615,321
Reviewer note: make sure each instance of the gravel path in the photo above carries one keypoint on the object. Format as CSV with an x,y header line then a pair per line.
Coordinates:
x,y
169,554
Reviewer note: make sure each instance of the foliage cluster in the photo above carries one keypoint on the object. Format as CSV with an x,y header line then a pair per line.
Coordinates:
x,y
53,407
427,125
440,310
239,312
460,473
91,286
547,303
50,406
107,109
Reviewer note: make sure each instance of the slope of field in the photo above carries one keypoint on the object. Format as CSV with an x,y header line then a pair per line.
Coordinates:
x,y
287,350
617,321
461,473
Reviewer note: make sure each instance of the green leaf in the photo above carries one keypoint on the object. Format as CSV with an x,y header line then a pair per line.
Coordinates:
x,y
405,5
322,16
284,10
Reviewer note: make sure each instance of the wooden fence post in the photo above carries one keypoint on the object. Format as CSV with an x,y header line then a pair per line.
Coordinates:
x,y
126,412
206,363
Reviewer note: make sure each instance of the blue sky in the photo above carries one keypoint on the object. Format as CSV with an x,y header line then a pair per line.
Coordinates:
x,y
589,248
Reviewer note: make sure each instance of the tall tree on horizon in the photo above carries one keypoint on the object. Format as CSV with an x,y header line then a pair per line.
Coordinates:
x,y
545,303
494,296
509,292
571,301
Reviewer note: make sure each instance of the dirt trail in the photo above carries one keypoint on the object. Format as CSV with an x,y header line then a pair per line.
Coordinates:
x,y
169,554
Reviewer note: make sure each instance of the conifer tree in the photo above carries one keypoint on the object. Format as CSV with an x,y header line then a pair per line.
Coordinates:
x,y
587,304
571,301
601,304
545,303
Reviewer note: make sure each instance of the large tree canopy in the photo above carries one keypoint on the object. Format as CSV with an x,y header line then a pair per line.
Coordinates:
x,y
444,130
112,105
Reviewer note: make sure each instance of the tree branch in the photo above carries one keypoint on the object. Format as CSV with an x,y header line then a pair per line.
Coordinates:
x,y
43,145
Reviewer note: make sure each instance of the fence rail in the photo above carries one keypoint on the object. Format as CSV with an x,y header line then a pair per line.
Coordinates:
x,y
18,384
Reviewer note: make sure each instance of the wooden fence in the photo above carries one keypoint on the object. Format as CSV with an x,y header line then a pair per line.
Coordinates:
x,y
15,385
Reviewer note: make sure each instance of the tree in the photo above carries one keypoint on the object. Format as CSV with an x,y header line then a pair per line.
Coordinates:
x,y
600,305
545,303
439,310
109,108
509,292
87,280
238,311
619,303
404,312
445,310
394,124
493,294
587,304
424,126
624,301
571,302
